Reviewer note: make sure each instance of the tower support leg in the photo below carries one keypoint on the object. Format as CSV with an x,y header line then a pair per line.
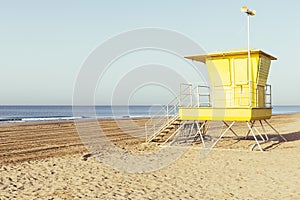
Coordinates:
x,y
275,130
252,132
252,124
231,130
222,134
264,130
200,131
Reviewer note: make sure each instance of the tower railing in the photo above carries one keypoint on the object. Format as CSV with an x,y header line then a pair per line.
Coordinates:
x,y
268,98
241,95
186,95
194,96
203,92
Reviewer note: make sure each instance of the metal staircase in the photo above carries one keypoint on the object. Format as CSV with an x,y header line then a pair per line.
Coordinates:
x,y
165,125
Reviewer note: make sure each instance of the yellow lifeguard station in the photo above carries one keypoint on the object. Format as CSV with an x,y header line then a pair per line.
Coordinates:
x,y
238,92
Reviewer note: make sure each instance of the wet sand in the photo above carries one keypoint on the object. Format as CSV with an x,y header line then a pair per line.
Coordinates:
x,y
46,160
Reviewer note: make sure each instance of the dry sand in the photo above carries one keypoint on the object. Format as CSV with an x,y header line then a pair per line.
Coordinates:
x,y
45,161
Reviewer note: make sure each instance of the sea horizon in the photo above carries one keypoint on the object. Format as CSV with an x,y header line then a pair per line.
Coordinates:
x,y
25,113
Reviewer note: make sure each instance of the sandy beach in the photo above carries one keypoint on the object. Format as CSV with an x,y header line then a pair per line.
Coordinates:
x,y
46,160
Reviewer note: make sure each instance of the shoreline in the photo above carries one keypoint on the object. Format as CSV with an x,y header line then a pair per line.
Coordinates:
x,y
55,119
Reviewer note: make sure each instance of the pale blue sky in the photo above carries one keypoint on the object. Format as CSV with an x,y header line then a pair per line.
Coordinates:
x,y
44,43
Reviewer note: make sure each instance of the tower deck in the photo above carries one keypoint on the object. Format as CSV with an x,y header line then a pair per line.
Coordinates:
x,y
224,114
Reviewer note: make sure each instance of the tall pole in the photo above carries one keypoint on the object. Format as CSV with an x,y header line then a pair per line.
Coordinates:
x,y
249,13
249,62
249,56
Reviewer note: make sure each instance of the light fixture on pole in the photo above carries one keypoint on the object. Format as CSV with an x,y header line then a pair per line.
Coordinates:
x,y
249,13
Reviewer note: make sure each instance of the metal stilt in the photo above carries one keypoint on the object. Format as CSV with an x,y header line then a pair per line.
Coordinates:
x,y
275,130
252,124
231,130
264,130
251,130
260,135
200,132
228,128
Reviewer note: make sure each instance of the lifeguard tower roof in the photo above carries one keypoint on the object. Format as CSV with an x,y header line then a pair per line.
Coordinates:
x,y
231,52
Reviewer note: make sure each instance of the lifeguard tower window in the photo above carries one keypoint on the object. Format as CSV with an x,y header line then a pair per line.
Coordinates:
x,y
219,72
263,70
240,71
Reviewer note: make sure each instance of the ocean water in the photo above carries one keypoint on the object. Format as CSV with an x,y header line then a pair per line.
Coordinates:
x,y
277,110
46,113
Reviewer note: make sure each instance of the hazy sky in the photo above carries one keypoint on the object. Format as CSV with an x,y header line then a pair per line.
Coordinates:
x,y
43,44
